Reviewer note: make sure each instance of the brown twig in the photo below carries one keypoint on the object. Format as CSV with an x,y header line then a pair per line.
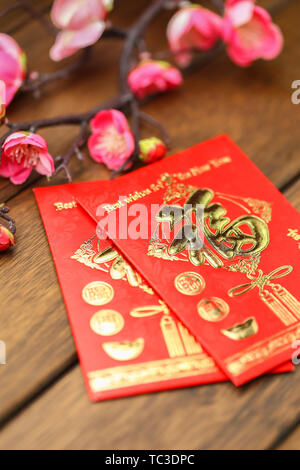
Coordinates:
x,y
11,223
41,79
74,148
164,133
33,13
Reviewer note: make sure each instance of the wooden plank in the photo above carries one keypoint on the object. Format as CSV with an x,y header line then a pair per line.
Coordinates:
x,y
207,417
17,18
292,442
252,105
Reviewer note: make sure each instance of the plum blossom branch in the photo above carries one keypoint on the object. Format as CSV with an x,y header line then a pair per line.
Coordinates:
x,y
128,99
74,148
132,40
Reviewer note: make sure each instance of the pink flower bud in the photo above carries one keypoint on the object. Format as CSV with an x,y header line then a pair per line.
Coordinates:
x,y
153,76
249,33
12,66
151,149
6,238
21,153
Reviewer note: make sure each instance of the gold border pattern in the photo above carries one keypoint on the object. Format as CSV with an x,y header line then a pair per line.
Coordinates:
x,y
151,372
263,350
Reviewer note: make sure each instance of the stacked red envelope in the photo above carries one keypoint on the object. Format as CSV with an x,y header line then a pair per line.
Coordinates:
x,y
238,291
127,338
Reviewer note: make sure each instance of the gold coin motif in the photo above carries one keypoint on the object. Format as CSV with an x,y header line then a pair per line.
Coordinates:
x,y
189,283
213,309
97,293
107,322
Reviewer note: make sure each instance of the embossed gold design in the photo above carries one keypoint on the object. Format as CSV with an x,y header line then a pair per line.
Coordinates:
x,y
149,310
124,350
119,269
177,338
97,293
65,205
159,249
106,255
171,336
262,208
246,266
189,283
294,234
246,236
85,255
191,345
151,372
276,297
107,322
213,309
243,330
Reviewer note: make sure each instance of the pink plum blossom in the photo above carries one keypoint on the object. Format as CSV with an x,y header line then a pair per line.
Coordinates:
x,y
81,23
192,27
12,66
21,153
112,141
249,32
152,76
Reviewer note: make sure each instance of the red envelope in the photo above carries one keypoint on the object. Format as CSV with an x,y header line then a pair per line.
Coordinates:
x,y
170,357
238,292
128,341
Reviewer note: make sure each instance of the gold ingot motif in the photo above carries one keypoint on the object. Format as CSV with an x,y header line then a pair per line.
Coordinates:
x,y
243,330
107,322
124,350
189,283
213,309
97,293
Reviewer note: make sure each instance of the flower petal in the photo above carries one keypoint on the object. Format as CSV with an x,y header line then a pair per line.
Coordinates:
x,y
69,42
21,175
7,167
239,11
95,152
77,14
257,38
45,165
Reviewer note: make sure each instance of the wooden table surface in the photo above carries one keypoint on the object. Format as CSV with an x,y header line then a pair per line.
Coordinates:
x,y
43,403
